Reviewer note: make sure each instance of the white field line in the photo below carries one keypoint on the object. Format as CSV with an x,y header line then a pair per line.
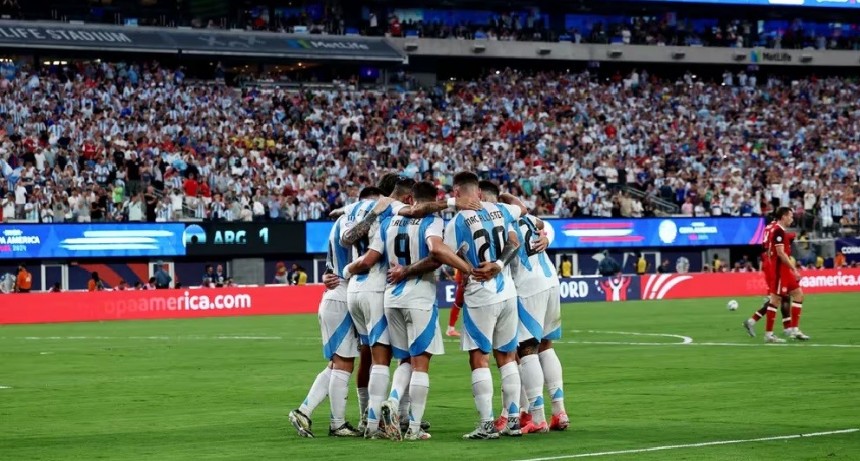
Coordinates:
x,y
5,387
693,445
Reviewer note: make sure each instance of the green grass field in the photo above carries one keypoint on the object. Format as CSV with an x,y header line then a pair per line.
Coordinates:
x,y
220,389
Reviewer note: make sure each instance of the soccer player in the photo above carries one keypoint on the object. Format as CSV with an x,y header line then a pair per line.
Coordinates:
x,y
770,281
410,300
366,292
539,312
340,343
489,311
455,308
787,278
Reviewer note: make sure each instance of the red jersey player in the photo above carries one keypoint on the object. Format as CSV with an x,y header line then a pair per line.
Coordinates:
x,y
770,280
458,304
786,277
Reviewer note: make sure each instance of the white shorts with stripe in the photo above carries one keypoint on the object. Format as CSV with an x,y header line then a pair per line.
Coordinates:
x,y
414,332
338,332
490,327
368,315
540,315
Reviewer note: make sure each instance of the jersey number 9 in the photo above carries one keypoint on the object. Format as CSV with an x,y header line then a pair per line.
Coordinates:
x,y
401,249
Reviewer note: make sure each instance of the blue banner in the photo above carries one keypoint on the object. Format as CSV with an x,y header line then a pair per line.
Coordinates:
x,y
809,3
571,290
44,241
317,232
850,247
569,234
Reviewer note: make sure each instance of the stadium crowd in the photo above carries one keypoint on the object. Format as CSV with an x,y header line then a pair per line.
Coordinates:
x,y
100,141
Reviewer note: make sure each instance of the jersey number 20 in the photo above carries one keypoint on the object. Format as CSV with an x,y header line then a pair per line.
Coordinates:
x,y
484,239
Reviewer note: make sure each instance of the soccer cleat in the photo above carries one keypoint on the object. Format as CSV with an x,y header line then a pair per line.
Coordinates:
x,y
788,332
345,430
771,339
513,428
362,425
799,336
389,423
452,332
559,422
749,324
420,435
500,423
485,431
404,425
532,428
525,419
376,435
301,423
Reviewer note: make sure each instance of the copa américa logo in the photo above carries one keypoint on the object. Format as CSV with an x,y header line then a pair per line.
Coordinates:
x,y
193,235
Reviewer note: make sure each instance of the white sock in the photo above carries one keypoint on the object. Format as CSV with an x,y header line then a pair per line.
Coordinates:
x,y
524,400
553,378
376,388
404,405
511,385
532,376
400,382
482,389
338,390
317,393
363,398
419,387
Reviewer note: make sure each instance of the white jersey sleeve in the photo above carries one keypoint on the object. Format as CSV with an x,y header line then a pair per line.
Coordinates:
x,y
374,279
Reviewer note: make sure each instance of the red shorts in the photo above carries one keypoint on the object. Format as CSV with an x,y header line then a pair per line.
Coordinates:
x,y
769,277
786,282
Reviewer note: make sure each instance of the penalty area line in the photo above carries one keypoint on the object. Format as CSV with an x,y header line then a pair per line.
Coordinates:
x,y
694,445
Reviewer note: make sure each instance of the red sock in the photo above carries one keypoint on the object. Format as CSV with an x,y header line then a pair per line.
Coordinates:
x,y
795,314
455,312
770,319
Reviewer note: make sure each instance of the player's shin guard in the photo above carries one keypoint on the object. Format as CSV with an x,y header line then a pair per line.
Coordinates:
x,y
482,389
511,385
376,388
318,392
400,382
796,309
419,387
553,378
532,376
338,390
363,399
771,318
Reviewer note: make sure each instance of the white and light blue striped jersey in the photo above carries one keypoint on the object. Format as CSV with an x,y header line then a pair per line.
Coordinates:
x,y
337,258
405,243
532,272
485,233
374,279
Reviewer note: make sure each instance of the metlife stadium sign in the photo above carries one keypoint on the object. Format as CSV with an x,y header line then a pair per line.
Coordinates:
x,y
71,241
207,42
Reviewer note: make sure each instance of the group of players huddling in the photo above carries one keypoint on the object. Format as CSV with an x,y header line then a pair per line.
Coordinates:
x,y
381,304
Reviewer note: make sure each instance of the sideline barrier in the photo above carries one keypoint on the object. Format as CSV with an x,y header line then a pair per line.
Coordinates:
x,y
684,286
274,300
158,304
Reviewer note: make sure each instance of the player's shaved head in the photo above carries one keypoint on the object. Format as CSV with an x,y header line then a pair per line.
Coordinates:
x,y
424,191
782,212
403,189
490,191
387,183
369,192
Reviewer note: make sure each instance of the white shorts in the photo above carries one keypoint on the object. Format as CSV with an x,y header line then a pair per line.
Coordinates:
x,y
368,315
338,332
414,332
540,316
497,321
